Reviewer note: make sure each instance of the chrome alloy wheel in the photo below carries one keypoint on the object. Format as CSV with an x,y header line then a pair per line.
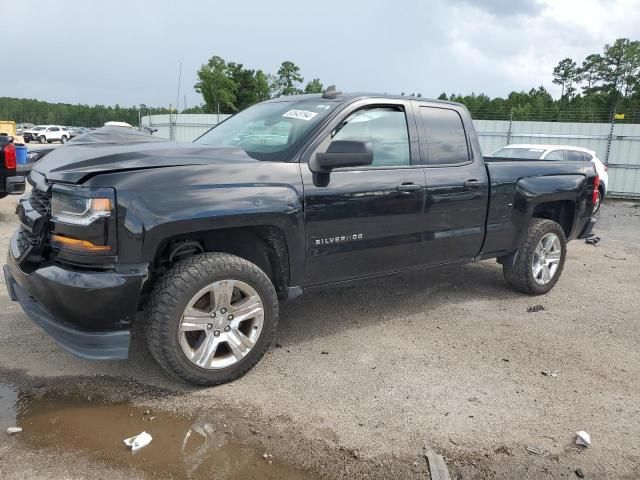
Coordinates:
x,y
221,324
546,258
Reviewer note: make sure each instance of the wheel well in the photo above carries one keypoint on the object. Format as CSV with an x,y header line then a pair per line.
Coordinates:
x,y
561,212
265,246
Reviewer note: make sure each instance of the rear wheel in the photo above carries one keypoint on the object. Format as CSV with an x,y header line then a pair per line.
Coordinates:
x,y
63,139
540,259
211,318
42,139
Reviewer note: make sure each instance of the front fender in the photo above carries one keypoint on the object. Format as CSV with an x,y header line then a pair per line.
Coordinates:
x,y
157,204
156,216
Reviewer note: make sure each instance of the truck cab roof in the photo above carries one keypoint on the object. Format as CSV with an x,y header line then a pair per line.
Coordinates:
x,y
341,97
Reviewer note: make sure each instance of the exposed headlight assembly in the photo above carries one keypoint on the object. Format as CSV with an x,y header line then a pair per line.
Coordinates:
x,y
76,210
83,221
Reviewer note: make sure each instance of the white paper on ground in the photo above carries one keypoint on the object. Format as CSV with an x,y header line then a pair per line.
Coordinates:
x,y
137,442
583,438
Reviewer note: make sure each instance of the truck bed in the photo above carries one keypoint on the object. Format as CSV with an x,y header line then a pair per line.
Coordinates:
x,y
512,186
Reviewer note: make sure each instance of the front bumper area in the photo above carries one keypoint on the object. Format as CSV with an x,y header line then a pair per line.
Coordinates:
x,y
89,314
91,345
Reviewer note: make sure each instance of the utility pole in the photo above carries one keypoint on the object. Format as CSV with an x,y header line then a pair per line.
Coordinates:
x,y
510,126
610,138
171,122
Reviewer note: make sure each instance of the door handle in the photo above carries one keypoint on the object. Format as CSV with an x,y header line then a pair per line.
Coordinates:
x,y
473,184
408,187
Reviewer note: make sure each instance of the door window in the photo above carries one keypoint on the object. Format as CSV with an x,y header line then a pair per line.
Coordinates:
x,y
574,156
54,129
443,140
385,128
555,155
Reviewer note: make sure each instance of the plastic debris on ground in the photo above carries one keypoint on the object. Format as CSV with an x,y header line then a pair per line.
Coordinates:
x,y
138,441
592,240
535,308
583,438
12,430
550,373
437,467
535,449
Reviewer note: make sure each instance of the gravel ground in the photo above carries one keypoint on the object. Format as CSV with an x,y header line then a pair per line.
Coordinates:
x,y
448,359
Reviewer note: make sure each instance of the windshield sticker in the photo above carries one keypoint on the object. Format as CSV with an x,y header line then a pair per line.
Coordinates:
x,y
305,115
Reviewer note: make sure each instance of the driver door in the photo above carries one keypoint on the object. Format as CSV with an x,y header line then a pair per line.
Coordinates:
x,y
363,221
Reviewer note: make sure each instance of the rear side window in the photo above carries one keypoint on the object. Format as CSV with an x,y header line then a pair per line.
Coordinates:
x,y
574,156
555,155
443,140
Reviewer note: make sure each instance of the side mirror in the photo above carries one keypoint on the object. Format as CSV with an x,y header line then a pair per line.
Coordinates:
x,y
342,153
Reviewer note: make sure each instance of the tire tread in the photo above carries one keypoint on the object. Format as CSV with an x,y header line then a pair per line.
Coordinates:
x,y
170,290
519,276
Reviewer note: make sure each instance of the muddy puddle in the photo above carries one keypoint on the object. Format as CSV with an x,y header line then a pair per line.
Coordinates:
x,y
182,447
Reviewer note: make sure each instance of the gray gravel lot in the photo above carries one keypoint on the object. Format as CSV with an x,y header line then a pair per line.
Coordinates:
x,y
448,359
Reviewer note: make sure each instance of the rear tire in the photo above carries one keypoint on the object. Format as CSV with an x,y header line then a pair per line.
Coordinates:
x,y
63,139
529,272
42,139
175,342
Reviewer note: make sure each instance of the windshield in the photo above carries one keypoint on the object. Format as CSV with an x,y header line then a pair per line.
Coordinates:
x,y
269,131
38,128
521,153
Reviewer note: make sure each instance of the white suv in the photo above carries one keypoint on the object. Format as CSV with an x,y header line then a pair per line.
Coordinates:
x,y
53,133
559,152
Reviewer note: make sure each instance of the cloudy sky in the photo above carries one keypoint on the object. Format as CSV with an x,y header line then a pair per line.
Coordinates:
x,y
129,52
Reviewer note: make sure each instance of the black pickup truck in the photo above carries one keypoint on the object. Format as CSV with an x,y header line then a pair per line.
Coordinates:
x,y
290,195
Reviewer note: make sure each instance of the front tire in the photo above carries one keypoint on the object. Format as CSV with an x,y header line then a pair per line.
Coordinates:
x,y
211,318
42,139
540,260
63,139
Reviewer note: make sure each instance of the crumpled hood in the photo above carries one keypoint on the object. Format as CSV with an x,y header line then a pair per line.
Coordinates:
x,y
111,149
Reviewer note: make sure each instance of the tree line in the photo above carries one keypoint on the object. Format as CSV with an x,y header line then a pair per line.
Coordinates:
x,y
601,85
23,110
228,87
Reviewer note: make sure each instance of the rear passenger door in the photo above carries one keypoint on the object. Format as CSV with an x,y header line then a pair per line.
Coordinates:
x,y
457,184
